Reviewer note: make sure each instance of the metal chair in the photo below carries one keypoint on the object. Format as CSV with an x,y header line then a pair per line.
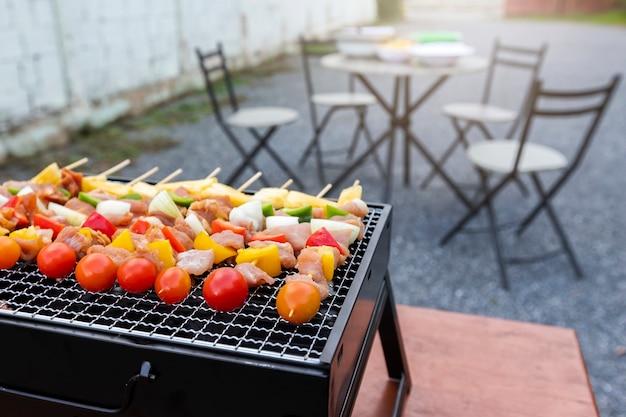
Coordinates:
x,y
270,118
311,50
510,159
467,115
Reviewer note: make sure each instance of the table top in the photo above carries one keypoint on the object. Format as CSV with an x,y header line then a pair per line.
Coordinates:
x,y
474,366
375,66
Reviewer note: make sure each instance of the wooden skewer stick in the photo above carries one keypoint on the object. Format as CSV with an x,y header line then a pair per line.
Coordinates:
x,y
324,191
76,164
214,173
115,168
170,177
143,176
250,181
286,184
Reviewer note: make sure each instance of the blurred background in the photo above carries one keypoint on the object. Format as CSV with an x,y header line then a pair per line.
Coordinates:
x,y
120,79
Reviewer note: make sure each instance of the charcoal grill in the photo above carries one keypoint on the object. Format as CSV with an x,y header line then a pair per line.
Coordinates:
x,y
67,352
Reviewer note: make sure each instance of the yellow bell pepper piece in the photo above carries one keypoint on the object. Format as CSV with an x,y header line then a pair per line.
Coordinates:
x,y
265,258
194,187
124,240
164,251
3,231
350,193
86,232
204,242
49,175
296,199
27,233
117,189
237,198
328,261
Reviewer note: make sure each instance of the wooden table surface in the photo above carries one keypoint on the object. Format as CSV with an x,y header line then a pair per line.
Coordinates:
x,y
472,366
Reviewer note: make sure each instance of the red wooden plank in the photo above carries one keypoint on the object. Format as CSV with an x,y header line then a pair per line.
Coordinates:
x,y
472,366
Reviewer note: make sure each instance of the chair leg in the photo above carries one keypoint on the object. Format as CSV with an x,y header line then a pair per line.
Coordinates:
x,y
359,128
567,247
475,209
317,132
262,143
362,112
493,231
459,140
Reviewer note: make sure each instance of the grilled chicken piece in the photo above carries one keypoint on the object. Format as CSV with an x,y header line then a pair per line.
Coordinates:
x,y
77,241
296,234
195,262
254,275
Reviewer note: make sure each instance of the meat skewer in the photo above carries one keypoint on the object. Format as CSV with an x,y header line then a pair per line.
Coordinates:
x,y
324,190
213,173
250,181
170,176
115,168
286,184
76,164
143,176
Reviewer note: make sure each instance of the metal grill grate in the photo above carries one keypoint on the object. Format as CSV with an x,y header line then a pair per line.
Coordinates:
x,y
255,328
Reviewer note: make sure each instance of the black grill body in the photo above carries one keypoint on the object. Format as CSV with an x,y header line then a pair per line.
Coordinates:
x,y
70,353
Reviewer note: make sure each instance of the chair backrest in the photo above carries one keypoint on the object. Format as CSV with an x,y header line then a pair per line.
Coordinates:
x,y
213,66
582,102
512,56
311,50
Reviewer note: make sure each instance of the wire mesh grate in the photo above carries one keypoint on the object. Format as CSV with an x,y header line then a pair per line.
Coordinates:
x,y
256,328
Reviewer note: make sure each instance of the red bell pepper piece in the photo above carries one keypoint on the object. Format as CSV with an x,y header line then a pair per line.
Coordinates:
x,y
169,235
17,211
278,237
44,222
140,227
322,237
219,225
96,221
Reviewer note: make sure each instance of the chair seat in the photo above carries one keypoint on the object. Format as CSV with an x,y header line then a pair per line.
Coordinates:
x,y
263,117
479,112
343,99
498,156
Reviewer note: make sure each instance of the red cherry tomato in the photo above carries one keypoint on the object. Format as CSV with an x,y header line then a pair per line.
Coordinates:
x,y
96,272
56,260
298,301
136,275
225,289
172,285
10,251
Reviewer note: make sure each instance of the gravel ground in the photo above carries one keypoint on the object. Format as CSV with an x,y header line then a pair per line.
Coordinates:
x,y
462,276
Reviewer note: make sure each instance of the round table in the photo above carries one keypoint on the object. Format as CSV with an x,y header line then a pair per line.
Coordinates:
x,y
400,115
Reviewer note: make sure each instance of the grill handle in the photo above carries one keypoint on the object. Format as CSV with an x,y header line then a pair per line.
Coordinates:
x,y
143,375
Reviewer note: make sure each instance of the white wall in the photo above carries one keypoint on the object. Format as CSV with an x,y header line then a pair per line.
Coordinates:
x,y
69,63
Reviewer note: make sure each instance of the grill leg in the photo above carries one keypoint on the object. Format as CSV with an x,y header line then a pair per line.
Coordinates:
x,y
393,348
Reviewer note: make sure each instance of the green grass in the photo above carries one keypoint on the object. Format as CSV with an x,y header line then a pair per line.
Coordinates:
x,y
615,17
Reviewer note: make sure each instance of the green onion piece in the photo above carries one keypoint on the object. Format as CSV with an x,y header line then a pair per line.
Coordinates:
x,y
334,211
13,191
64,191
131,196
180,200
304,211
268,209
86,198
